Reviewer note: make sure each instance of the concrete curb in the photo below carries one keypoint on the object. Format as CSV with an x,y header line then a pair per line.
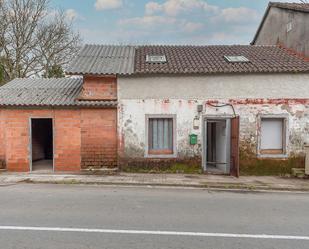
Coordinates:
x,y
207,182
206,186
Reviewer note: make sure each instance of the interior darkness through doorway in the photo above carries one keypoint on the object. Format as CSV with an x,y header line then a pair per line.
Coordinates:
x,y
42,144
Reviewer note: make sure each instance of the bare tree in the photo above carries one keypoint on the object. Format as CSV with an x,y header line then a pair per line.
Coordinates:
x,y
34,38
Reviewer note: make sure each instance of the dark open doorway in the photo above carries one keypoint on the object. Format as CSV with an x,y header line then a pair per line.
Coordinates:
x,y
221,145
218,146
42,144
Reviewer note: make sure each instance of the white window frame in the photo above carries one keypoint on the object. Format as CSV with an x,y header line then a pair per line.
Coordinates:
x,y
156,58
150,116
285,135
289,26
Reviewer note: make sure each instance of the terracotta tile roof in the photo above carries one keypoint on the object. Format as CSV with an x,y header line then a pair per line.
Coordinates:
x,y
210,60
303,7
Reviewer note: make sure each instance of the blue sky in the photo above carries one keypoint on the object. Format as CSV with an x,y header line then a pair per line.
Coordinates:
x,y
164,21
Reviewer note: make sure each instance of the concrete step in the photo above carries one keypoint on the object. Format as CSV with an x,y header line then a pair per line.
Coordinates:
x,y
298,172
100,171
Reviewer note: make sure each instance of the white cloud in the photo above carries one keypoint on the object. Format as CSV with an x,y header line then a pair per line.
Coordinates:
x,y
71,14
148,21
239,15
176,7
191,27
155,24
179,22
107,4
166,16
152,7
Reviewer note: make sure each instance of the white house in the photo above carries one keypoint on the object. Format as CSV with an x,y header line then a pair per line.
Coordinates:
x,y
179,91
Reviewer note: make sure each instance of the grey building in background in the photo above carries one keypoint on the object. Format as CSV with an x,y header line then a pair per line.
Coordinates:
x,y
285,24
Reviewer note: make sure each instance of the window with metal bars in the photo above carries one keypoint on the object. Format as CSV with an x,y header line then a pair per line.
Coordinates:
x,y
160,136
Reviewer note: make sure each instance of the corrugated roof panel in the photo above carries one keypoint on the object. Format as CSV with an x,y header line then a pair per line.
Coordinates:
x,y
46,92
103,59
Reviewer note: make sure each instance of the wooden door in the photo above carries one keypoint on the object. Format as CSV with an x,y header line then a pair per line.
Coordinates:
x,y
235,146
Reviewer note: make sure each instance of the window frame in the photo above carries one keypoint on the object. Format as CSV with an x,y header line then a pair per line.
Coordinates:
x,y
262,153
164,154
289,26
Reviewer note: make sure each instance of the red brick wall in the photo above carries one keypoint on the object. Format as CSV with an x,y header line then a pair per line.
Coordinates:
x,y
99,88
67,140
86,135
2,142
17,137
99,138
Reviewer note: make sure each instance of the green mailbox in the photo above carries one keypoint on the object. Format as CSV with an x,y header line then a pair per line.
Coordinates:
x,y
193,139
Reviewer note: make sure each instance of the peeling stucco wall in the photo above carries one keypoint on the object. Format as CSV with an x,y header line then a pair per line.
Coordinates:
x,y
132,124
251,96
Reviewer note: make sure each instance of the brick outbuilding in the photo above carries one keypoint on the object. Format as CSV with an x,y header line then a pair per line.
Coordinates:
x,y
52,124
67,124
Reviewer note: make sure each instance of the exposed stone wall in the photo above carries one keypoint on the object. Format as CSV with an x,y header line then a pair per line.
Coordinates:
x,y
99,88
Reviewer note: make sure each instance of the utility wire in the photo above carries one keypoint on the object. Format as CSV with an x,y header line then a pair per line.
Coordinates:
x,y
224,105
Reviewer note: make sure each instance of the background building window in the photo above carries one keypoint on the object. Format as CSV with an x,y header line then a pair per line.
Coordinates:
x,y
273,135
289,27
160,136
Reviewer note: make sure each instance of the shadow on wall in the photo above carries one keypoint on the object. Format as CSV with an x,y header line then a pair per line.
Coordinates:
x,y
2,164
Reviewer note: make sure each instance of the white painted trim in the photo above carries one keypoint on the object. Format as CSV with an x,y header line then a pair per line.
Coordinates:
x,y
30,144
148,232
206,117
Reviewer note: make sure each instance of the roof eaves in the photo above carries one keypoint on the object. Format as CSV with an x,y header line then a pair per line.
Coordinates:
x,y
288,6
97,74
223,72
98,104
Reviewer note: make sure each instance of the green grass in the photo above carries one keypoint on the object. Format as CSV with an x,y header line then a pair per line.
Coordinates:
x,y
176,168
270,167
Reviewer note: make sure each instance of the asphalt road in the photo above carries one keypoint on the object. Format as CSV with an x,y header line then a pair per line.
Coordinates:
x,y
66,216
